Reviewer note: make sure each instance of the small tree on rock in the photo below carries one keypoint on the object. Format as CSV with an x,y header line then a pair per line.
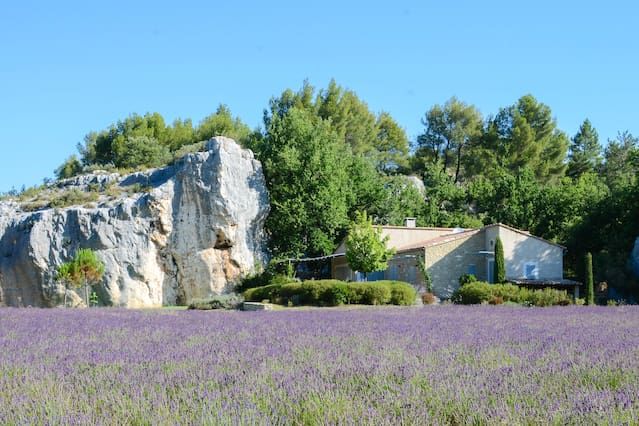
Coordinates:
x,y
63,275
366,249
84,270
590,285
500,264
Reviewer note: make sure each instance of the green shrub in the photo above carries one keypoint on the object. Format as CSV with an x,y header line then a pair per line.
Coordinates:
x,y
73,197
507,292
548,297
473,293
267,292
227,301
140,151
371,293
467,279
267,277
402,293
481,292
334,293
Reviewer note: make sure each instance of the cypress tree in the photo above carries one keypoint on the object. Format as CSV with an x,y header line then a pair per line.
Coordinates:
x,y
590,285
499,271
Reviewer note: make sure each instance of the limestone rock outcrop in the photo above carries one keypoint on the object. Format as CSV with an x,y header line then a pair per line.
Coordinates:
x,y
191,230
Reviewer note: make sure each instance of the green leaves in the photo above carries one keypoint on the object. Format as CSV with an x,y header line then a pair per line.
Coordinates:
x,y
366,249
500,264
306,170
85,268
139,151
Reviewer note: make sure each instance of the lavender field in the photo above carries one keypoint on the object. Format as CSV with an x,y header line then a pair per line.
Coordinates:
x,y
431,365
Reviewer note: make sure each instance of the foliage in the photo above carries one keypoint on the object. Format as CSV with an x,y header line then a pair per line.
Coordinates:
x,y
428,282
226,301
589,280
267,277
450,130
500,264
222,123
327,155
147,141
524,135
366,249
467,279
85,269
585,151
71,167
306,170
258,294
481,292
139,151
334,292
402,294
73,197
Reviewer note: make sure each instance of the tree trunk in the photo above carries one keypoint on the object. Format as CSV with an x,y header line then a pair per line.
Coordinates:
x,y
86,292
459,154
66,289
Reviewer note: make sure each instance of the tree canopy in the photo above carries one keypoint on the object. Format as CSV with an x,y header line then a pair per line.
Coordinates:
x,y
366,249
327,156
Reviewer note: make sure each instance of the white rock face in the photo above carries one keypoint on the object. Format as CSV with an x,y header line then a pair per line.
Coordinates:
x,y
194,235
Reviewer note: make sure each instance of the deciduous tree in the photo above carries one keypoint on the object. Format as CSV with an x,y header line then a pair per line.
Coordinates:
x,y
366,249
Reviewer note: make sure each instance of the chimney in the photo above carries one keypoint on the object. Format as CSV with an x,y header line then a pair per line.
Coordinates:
x,y
410,222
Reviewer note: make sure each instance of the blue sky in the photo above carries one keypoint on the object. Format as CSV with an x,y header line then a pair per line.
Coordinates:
x,y
70,67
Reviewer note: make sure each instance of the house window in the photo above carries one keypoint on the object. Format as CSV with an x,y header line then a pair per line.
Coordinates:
x,y
531,271
472,270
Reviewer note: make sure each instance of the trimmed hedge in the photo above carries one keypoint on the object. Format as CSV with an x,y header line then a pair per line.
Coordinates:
x,y
482,292
227,301
334,293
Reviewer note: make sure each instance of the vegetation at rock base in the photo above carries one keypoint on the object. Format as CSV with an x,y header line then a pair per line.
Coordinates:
x,y
84,270
227,301
326,156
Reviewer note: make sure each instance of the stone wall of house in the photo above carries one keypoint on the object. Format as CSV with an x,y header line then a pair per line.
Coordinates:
x,y
448,261
402,267
520,249
340,269
405,267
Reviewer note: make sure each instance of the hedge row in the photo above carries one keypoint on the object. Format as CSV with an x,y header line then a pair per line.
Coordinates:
x,y
482,292
334,293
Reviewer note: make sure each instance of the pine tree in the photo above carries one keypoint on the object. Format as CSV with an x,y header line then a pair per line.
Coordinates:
x,y
585,151
500,264
85,270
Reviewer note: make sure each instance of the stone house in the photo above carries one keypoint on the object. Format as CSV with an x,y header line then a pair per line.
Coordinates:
x,y
449,253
